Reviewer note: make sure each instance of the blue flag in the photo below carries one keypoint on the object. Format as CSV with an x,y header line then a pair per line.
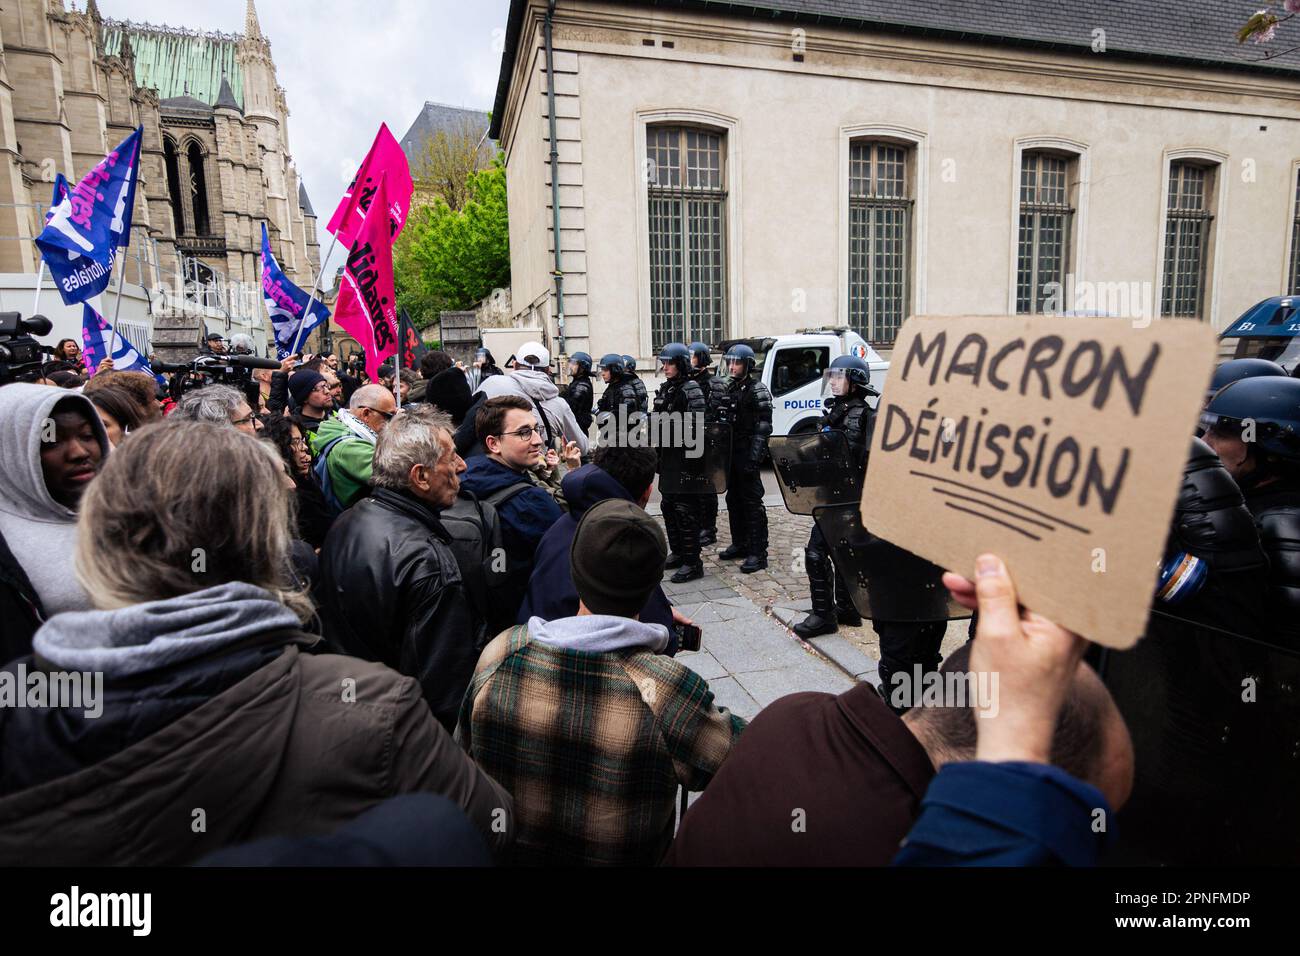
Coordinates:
x,y
89,222
97,337
285,303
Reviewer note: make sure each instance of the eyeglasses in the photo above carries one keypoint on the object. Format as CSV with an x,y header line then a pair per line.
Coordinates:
x,y
323,388
298,443
388,416
242,421
525,434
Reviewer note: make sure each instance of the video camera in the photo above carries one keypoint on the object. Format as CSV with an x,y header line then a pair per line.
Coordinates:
x,y
20,354
215,368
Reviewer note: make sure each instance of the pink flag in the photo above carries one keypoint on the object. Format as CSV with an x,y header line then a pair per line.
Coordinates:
x,y
367,305
385,159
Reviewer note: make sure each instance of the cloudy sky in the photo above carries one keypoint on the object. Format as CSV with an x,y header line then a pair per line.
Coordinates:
x,y
349,65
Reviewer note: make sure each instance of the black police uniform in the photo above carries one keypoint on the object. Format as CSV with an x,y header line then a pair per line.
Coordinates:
x,y
682,512
1211,523
718,409
751,405
620,391
639,390
1276,508
851,415
578,394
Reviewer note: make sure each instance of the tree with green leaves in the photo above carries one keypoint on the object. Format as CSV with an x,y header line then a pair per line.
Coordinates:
x,y
450,259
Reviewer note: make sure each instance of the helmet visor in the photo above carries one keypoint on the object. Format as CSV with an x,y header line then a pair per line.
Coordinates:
x,y
835,381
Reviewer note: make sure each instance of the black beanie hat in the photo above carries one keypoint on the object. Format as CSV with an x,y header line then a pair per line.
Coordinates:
x,y
302,382
617,558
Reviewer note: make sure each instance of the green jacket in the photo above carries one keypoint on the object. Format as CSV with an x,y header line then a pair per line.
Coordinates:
x,y
349,461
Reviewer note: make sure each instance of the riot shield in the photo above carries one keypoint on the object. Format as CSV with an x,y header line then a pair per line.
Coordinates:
x,y
683,472
1215,723
885,582
815,469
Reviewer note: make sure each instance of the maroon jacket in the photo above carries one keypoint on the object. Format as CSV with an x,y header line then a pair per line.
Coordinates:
x,y
815,780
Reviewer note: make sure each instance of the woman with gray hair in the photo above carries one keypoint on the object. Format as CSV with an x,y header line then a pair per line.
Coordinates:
x,y
212,722
218,404
391,589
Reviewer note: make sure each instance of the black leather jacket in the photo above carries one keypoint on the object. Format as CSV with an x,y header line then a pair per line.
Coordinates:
x,y
855,418
391,591
752,425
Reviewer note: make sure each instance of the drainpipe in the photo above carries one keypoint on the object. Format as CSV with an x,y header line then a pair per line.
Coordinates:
x,y
555,180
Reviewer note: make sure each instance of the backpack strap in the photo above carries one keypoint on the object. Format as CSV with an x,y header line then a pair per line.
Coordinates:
x,y
546,422
502,495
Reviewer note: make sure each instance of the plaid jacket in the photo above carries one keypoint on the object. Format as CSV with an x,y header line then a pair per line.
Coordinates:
x,y
592,746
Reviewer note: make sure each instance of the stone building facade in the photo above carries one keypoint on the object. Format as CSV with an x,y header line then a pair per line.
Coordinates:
x,y
215,163
733,171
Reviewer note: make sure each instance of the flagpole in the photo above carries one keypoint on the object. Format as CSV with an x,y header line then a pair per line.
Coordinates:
x,y
117,309
40,281
311,299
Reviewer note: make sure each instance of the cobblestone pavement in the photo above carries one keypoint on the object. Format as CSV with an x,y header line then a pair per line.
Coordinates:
x,y
748,656
780,593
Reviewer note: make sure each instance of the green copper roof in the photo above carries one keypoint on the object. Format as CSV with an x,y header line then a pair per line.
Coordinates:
x,y
179,62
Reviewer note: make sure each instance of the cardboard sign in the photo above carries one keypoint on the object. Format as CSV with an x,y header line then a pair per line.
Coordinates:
x,y
1057,443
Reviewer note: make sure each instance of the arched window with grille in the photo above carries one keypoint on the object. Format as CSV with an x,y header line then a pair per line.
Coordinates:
x,y
198,189
172,162
1295,241
881,200
1045,228
687,189
1188,237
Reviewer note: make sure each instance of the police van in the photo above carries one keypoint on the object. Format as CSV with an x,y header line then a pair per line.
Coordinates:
x,y
791,367
1269,329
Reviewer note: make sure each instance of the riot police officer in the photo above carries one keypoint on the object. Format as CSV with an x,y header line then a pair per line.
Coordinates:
x,y
619,389
849,382
1214,570
680,395
1234,370
751,405
638,386
1253,424
718,410
578,392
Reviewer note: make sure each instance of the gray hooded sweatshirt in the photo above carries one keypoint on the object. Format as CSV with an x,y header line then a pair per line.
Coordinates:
x,y
127,641
41,533
529,383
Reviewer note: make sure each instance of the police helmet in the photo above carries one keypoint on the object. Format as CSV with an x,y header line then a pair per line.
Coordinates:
x,y
741,353
582,360
1237,369
1271,403
856,370
629,363
678,354
616,364
701,351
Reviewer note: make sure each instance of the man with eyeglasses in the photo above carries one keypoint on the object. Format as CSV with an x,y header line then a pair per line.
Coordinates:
x,y
507,427
313,396
346,441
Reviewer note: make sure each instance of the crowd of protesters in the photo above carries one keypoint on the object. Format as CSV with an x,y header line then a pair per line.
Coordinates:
x,y
435,620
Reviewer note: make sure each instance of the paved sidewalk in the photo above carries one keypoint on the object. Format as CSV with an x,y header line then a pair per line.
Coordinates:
x,y
772,600
748,657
